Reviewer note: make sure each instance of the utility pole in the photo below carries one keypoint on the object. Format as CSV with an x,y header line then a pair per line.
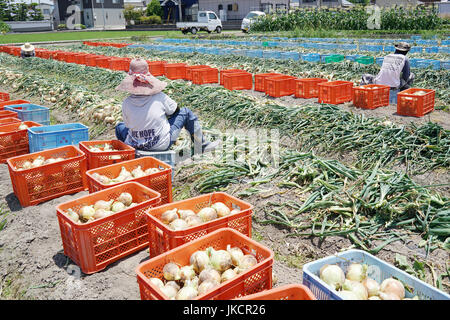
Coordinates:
x,y
103,12
179,10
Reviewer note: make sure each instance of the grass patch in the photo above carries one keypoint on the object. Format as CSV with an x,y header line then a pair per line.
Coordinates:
x,y
292,261
78,35
10,288
3,215
257,236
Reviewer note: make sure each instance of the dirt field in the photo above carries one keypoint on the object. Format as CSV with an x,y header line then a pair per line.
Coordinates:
x,y
33,265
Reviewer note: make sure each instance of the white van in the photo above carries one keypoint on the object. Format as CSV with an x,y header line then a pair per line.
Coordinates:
x,y
249,19
206,21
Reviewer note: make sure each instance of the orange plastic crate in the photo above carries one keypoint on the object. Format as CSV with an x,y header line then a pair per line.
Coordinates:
x,y
280,86
80,58
8,114
91,60
371,96
253,280
14,142
4,96
335,92
260,80
286,292
206,75
71,57
227,71
38,53
50,181
160,182
162,238
116,63
409,104
12,102
45,54
106,158
102,62
175,71
95,245
238,81
307,88
4,121
156,68
189,70
16,51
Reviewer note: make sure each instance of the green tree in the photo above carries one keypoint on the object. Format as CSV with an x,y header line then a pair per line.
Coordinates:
x,y
154,9
4,28
5,12
130,13
35,13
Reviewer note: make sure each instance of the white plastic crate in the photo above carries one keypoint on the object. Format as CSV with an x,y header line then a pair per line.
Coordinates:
x,y
379,270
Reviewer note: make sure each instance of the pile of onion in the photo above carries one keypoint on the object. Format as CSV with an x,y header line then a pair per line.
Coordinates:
x,y
178,219
37,162
356,285
102,208
125,175
207,269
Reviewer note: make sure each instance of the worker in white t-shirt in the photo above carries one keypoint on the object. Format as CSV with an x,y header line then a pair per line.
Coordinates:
x,y
395,71
152,121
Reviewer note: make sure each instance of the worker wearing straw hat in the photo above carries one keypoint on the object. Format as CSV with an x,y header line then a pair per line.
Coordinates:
x,y
27,50
395,71
152,120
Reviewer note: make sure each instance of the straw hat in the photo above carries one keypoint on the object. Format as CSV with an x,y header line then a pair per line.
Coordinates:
x,y
27,47
403,46
140,81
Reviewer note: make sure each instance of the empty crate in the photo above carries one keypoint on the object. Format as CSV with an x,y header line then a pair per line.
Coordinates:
x,y
156,68
31,112
175,71
53,136
205,75
371,96
335,92
280,86
260,80
238,81
308,88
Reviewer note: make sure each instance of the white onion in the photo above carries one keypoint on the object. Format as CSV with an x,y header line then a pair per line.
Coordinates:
x,y
178,224
186,213
193,221
157,282
102,204
73,215
126,198
187,273
87,212
356,287
138,172
171,271
173,284
206,286
332,275
199,260
236,254
356,272
221,209
219,259
101,213
247,262
209,274
389,296
227,275
394,286
187,293
374,298
348,295
373,288
169,291
207,214
169,215
117,206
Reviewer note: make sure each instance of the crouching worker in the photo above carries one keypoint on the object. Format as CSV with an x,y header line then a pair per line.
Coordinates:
x,y
152,120
27,50
395,71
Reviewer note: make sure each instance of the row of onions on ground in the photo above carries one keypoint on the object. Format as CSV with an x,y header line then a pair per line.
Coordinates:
x,y
356,285
207,269
102,208
178,219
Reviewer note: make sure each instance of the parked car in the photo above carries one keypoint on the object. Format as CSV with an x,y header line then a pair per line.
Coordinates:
x,y
206,21
249,19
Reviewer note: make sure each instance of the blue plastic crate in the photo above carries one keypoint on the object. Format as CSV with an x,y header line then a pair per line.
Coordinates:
x,y
444,49
290,55
389,49
431,49
31,112
416,38
445,65
348,47
353,57
445,43
168,157
254,53
434,64
267,54
378,270
379,60
376,48
416,49
311,57
54,136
